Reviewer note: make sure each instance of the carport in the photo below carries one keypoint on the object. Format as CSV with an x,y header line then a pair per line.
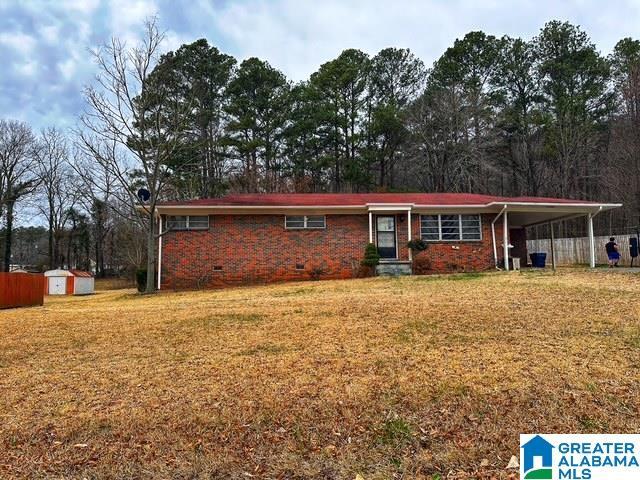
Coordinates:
x,y
522,214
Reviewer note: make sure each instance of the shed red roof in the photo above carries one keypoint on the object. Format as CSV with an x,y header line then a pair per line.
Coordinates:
x,y
80,273
361,199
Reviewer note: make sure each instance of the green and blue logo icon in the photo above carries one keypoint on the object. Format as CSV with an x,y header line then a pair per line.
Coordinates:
x,y
537,459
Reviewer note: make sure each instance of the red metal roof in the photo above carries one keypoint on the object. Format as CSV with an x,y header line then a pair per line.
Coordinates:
x,y
362,199
80,273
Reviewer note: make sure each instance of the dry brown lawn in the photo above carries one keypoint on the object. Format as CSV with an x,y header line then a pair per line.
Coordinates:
x,y
419,377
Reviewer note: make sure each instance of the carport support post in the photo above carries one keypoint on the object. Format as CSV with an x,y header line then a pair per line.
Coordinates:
x,y
159,250
592,246
505,240
553,251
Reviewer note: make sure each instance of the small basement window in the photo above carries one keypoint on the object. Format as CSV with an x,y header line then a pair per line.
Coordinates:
x,y
298,222
299,266
187,222
217,268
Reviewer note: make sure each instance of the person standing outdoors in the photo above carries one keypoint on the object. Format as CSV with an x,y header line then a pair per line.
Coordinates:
x,y
612,252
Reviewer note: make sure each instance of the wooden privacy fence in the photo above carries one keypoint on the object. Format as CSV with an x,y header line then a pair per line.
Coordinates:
x,y
571,251
21,289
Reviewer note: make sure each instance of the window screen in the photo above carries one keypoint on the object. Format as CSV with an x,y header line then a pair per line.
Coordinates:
x,y
198,222
183,222
315,221
294,222
450,227
471,227
302,221
177,222
430,227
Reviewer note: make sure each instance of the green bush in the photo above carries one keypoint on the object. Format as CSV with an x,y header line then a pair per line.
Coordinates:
x,y
141,279
371,256
417,245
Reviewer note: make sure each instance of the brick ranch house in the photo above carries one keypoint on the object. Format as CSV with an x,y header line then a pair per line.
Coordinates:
x,y
257,238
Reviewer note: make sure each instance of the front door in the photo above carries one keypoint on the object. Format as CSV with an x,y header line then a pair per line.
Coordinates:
x,y
386,236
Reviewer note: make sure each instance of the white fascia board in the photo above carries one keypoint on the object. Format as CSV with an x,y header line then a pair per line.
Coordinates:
x,y
388,207
450,207
257,209
593,206
254,207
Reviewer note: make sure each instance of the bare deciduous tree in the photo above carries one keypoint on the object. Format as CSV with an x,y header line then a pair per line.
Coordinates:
x,y
18,148
133,125
57,187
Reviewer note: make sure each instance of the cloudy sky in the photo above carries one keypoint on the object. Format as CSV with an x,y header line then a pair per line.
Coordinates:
x,y
44,60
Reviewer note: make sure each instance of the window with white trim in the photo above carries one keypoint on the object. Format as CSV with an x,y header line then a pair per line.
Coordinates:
x,y
450,228
298,222
187,222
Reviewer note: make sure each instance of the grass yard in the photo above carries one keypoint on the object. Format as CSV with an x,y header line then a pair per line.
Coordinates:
x,y
418,377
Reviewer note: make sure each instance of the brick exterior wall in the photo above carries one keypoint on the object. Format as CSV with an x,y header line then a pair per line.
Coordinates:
x,y
246,249
257,249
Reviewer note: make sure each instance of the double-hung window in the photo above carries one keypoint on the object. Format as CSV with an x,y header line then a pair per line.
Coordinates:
x,y
187,222
299,222
437,228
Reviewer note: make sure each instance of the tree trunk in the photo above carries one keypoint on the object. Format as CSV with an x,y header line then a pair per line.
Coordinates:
x,y
8,236
50,246
151,253
99,245
96,247
69,243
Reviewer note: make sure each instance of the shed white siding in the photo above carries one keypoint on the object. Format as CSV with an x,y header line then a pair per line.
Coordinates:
x,y
83,286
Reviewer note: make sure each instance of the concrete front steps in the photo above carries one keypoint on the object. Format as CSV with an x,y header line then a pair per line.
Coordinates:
x,y
393,268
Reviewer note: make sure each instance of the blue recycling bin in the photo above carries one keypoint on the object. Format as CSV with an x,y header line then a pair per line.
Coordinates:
x,y
538,259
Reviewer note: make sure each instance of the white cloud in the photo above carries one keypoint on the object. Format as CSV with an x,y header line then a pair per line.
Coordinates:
x,y
128,17
85,7
50,33
173,41
43,43
18,42
26,69
67,68
297,36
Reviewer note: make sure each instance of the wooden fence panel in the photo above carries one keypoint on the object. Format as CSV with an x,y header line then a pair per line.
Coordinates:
x,y
573,251
21,289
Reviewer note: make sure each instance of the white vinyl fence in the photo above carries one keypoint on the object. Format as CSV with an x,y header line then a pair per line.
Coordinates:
x,y
571,251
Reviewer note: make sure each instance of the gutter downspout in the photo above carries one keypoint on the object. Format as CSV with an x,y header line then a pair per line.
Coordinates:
x,y
493,236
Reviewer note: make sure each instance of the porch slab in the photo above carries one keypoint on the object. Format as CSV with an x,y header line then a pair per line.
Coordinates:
x,y
393,269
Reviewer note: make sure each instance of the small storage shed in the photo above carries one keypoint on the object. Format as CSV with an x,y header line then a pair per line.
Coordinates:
x,y
21,289
68,282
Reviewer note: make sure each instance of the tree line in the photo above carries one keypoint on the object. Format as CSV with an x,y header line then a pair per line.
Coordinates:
x,y
547,116
45,179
